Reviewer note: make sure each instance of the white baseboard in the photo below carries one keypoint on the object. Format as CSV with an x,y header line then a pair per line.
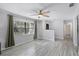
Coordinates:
x,y
3,49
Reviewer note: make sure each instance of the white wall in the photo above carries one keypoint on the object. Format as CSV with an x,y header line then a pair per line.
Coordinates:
x,y
19,39
40,29
3,29
22,38
75,31
57,26
75,39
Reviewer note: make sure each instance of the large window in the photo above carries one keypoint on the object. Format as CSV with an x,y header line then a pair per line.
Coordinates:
x,y
23,27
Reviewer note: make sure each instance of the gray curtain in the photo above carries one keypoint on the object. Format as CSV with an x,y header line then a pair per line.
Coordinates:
x,y
10,40
35,35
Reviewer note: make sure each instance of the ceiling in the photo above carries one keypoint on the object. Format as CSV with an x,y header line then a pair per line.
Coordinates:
x,y
57,10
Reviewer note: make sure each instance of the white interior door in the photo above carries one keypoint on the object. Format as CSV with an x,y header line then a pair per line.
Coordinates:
x,y
68,30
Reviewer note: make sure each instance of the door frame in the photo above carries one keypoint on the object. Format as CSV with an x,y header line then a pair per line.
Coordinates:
x,y
71,29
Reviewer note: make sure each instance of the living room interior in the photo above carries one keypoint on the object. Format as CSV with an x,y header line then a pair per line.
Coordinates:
x,y
39,29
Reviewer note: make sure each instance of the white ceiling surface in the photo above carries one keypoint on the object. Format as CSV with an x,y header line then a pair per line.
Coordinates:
x,y
57,10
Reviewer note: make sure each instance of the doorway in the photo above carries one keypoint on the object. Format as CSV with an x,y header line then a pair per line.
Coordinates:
x,y
67,30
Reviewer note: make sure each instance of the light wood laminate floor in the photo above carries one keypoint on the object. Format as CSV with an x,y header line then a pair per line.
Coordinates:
x,y
43,48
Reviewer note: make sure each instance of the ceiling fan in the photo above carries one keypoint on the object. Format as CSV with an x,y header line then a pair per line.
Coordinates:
x,y
40,13
43,11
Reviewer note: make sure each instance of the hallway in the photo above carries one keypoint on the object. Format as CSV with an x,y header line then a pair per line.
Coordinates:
x,y
43,48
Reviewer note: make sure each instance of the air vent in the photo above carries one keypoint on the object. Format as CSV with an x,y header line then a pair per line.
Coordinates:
x,y
71,4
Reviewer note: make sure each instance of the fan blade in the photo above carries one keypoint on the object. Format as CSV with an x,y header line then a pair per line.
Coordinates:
x,y
46,12
46,15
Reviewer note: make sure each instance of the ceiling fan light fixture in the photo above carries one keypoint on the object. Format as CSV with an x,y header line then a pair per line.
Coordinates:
x,y
39,16
42,13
